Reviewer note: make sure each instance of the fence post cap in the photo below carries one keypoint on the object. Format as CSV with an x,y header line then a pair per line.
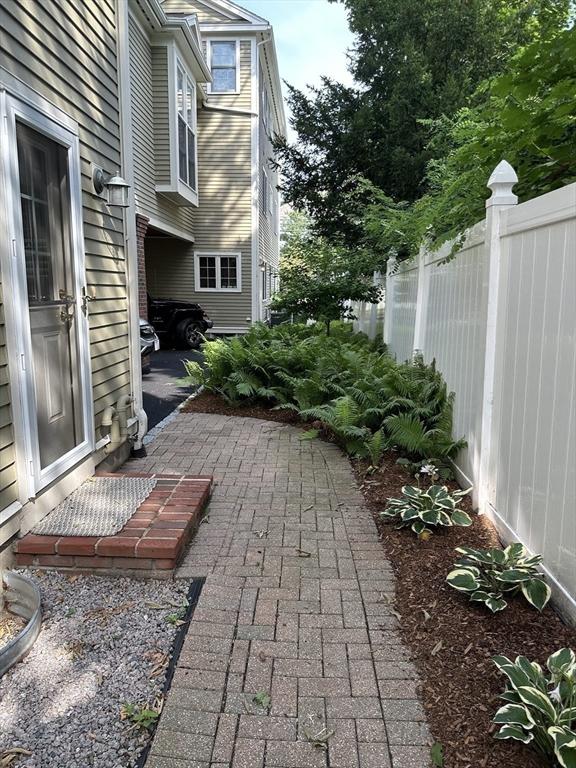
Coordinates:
x,y
501,181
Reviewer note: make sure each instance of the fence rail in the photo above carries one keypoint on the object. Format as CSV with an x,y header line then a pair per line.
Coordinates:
x,y
500,321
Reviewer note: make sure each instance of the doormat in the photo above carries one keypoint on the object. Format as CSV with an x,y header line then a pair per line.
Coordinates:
x,y
100,507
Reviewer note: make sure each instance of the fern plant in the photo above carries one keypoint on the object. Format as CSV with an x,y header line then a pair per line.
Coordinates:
x,y
358,393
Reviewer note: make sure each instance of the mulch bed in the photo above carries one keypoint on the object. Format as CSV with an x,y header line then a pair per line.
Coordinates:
x,y
460,684
206,402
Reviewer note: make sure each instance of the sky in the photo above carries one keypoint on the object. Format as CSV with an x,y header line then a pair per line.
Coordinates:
x,y
312,38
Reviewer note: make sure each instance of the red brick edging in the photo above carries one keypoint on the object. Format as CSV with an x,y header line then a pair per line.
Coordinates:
x,y
153,539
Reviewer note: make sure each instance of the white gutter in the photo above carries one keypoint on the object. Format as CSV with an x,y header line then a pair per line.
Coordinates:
x,y
130,243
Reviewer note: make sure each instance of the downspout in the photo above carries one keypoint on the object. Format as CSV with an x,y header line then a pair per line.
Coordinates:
x,y
131,251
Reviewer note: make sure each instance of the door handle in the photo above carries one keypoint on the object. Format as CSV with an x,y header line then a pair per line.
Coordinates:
x,y
86,298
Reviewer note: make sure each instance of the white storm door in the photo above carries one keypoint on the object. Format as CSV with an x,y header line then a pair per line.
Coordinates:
x,y
48,277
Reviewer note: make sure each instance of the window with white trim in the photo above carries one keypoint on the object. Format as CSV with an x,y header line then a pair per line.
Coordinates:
x,y
217,271
186,130
224,65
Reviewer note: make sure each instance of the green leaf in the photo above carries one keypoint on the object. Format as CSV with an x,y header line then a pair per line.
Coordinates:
x,y
516,675
463,579
437,755
535,698
496,604
561,661
514,551
514,575
567,716
564,746
514,732
309,434
459,517
478,555
430,517
537,592
515,714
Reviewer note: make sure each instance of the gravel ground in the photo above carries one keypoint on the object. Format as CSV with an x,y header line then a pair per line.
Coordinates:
x,y
104,643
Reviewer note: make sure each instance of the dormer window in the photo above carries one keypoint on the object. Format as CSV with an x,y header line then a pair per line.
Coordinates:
x,y
223,57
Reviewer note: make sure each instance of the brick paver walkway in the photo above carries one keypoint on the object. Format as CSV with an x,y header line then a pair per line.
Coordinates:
x,y
296,606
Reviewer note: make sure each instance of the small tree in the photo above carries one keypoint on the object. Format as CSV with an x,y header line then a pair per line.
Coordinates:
x,y
318,280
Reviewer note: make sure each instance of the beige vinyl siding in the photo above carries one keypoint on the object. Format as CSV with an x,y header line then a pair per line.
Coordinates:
x,y
205,13
161,114
223,222
66,51
151,131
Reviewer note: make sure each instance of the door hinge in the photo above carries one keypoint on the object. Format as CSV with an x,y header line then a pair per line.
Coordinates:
x,y
31,468
23,361
14,249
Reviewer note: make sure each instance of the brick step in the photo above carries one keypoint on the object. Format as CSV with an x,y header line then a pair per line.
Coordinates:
x,y
153,539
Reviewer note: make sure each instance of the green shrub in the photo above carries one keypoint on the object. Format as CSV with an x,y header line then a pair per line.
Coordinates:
x,y
489,574
424,510
540,707
366,400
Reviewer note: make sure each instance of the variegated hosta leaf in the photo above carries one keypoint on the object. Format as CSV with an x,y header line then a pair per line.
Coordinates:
x,y
464,579
515,674
537,592
461,518
514,732
533,670
496,604
563,661
515,575
540,701
567,717
515,714
564,746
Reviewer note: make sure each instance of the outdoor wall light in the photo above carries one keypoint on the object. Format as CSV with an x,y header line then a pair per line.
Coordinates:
x,y
116,187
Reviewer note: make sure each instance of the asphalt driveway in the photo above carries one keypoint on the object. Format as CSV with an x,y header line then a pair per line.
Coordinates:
x,y
162,390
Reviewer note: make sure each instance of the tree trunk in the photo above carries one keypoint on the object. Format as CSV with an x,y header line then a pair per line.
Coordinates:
x,y
328,322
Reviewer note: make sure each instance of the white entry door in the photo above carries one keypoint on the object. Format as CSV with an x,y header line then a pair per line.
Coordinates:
x,y
47,275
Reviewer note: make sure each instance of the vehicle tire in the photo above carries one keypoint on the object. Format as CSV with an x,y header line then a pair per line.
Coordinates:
x,y
189,334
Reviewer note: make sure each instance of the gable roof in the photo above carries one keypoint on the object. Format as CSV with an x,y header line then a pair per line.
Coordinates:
x,y
233,12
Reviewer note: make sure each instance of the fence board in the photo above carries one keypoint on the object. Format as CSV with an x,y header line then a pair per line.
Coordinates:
x,y
529,474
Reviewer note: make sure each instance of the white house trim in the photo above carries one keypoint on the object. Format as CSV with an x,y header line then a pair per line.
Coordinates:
x,y
162,226
233,11
217,255
255,159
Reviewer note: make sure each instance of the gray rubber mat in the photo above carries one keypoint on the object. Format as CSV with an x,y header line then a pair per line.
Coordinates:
x,y
100,507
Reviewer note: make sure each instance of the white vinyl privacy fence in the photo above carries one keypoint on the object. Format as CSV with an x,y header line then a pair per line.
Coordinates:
x,y
500,321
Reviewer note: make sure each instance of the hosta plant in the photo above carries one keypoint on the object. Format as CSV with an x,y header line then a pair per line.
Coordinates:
x,y
488,575
540,708
426,509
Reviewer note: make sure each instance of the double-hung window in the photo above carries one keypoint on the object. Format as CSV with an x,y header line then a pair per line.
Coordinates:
x,y
223,57
217,271
186,104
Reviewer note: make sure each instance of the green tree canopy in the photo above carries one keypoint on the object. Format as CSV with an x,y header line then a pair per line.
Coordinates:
x,y
318,280
526,116
413,61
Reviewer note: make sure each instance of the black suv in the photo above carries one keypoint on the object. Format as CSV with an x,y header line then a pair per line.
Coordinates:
x,y
178,323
